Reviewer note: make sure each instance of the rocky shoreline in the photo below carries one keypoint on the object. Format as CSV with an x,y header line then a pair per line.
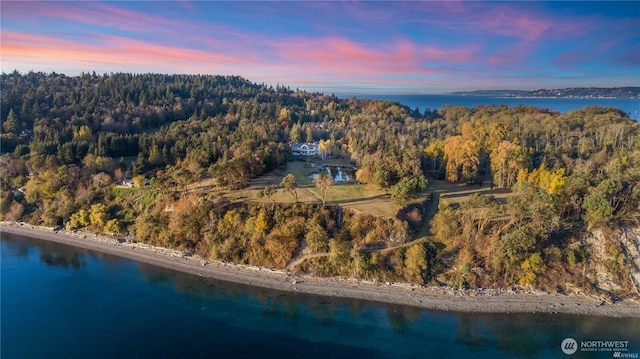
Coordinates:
x,y
436,298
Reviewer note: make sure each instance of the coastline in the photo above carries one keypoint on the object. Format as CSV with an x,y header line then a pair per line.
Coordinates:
x,y
434,298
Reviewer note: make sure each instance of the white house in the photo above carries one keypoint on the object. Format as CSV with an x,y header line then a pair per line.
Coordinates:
x,y
126,183
305,149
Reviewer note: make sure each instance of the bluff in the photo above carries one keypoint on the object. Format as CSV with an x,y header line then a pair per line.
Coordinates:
x,y
614,259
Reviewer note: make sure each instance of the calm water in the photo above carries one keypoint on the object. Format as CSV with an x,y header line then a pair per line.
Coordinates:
x,y
62,302
629,106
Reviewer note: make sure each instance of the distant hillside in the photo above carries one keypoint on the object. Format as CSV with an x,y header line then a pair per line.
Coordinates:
x,y
493,93
589,92
574,92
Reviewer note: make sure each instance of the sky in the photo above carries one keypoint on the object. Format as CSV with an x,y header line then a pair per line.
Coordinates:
x,y
369,47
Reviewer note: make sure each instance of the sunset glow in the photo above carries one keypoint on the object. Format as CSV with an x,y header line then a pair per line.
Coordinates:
x,y
342,47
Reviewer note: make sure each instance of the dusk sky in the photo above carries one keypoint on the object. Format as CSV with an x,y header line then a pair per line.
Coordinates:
x,y
337,46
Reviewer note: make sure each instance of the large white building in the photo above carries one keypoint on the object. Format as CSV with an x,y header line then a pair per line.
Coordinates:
x,y
305,149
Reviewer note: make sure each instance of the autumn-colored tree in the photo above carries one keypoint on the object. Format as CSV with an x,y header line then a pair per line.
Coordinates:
x,y
119,174
462,156
262,222
15,212
497,134
285,115
339,252
98,216
531,205
78,220
416,264
435,154
549,181
185,221
323,181
138,180
325,147
279,249
290,183
295,133
83,133
63,204
114,226
445,224
317,238
101,179
507,159
364,175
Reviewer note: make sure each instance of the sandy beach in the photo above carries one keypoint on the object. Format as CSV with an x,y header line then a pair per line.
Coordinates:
x,y
437,298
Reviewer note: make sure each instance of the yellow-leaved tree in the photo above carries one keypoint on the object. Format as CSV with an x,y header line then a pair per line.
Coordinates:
x,y
507,159
463,158
552,182
415,263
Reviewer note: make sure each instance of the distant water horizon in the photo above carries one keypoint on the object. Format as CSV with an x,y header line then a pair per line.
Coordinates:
x,y
64,302
630,106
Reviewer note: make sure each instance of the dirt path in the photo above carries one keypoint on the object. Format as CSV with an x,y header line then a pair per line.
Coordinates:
x,y
421,237
304,258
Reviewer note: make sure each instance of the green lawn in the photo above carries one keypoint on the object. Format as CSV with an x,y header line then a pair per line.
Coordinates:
x,y
363,198
143,195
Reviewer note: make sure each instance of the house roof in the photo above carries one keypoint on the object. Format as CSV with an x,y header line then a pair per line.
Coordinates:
x,y
300,146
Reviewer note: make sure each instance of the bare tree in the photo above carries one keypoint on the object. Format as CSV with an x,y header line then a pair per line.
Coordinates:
x,y
323,181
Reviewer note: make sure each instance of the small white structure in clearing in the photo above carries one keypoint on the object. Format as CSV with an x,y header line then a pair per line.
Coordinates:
x,y
126,183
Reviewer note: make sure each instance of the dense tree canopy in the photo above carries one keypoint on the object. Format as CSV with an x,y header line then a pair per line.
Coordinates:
x,y
70,143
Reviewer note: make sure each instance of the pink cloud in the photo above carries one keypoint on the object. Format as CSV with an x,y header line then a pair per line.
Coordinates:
x,y
106,16
92,13
113,51
526,20
340,55
298,60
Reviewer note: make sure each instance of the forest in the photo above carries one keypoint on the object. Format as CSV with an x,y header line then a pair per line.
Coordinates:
x,y
549,179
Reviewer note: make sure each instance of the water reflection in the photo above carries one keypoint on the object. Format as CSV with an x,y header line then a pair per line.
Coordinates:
x,y
153,275
535,335
401,318
52,254
18,248
338,174
350,324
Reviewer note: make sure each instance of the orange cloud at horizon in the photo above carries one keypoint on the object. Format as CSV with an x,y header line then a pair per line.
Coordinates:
x,y
336,58
321,62
17,48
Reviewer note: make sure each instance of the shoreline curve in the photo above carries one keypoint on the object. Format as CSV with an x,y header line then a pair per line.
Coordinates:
x,y
432,298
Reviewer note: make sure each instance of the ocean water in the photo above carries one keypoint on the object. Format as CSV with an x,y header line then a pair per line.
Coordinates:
x,y
423,102
62,302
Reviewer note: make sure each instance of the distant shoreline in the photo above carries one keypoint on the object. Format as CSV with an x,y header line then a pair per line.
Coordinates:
x,y
436,298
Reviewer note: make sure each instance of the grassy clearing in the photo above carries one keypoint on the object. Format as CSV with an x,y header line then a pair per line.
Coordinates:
x,y
458,193
146,196
363,198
